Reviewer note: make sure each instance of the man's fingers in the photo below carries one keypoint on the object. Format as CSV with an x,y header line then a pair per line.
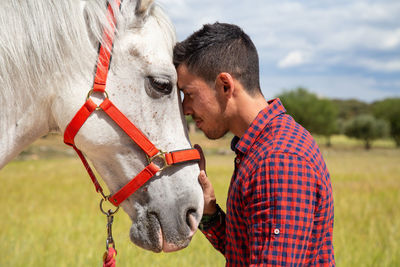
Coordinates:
x,y
208,192
203,180
202,163
205,184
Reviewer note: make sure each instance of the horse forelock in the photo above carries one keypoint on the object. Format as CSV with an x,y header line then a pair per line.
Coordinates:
x,y
167,27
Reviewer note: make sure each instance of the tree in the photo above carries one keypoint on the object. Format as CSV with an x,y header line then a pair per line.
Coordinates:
x,y
389,109
348,109
367,128
317,115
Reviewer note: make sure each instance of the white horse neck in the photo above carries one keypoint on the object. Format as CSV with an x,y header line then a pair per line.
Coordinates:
x,y
19,129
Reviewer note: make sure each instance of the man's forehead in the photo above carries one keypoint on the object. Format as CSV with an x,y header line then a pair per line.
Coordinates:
x,y
181,86
182,68
188,81
182,77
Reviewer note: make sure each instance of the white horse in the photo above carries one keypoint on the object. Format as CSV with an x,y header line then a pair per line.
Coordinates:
x,y
48,50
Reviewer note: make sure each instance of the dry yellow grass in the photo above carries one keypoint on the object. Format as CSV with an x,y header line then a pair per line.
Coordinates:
x,y
50,213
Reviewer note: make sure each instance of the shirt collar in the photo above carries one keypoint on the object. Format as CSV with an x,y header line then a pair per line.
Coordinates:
x,y
273,109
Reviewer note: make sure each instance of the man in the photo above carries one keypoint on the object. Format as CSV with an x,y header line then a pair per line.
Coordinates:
x,y
280,205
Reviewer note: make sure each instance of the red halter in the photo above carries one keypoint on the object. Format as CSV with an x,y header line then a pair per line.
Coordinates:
x,y
99,85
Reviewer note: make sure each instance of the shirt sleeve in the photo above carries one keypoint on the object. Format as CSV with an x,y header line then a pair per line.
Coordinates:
x,y
216,234
280,199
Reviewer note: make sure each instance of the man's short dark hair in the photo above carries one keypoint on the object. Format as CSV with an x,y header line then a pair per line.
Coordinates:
x,y
220,47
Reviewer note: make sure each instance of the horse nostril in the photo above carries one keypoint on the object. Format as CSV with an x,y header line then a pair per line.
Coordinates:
x,y
191,219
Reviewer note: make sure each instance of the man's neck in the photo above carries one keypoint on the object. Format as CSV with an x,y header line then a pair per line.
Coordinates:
x,y
246,110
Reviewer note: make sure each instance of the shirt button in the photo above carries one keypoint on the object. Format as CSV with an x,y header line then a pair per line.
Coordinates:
x,y
210,235
276,231
237,161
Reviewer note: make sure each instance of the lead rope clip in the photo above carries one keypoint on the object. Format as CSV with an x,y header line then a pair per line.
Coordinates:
x,y
109,255
110,240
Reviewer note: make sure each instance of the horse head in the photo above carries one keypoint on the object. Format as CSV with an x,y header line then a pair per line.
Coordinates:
x,y
141,82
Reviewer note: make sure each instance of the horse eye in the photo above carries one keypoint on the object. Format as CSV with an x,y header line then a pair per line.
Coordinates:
x,y
163,86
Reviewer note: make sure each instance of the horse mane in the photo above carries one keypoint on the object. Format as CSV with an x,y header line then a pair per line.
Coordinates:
x,y
43,41
39,40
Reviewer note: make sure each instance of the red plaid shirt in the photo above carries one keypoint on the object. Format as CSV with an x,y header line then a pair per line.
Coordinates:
x,y
280,203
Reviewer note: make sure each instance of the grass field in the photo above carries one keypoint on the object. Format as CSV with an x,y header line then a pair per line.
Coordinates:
x,y
50,216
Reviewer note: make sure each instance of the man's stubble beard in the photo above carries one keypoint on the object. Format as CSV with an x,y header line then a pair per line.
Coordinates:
x,y
216,134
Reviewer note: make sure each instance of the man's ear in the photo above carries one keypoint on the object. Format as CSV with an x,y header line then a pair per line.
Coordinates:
x,y
225,84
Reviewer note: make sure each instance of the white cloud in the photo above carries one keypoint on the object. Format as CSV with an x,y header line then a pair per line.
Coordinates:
x,y
294,58
302,38
392,40
380,65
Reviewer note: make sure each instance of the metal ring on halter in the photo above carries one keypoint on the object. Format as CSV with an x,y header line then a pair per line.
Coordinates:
x,y
91,92
109,212
162,161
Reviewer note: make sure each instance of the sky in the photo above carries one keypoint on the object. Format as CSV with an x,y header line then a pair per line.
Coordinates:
x,y
339,49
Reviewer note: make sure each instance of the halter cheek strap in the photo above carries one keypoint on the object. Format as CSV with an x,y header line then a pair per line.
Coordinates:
x,y
154,155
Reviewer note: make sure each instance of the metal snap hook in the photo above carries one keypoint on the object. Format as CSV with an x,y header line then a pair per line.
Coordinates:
x,y
110,239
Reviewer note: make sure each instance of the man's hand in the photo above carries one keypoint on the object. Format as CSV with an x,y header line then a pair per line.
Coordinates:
x,y
208,191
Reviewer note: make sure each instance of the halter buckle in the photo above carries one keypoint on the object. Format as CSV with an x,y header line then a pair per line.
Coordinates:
x,y
159,159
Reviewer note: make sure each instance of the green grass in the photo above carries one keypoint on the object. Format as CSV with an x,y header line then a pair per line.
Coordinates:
x,y
50,217
50,214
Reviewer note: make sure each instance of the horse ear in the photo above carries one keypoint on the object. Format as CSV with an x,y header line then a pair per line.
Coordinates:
x,y
142,6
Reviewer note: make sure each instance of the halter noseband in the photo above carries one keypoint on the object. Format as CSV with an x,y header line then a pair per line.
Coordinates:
x,y
153,154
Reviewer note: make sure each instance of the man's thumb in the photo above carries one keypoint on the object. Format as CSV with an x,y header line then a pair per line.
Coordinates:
x,y
202,163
